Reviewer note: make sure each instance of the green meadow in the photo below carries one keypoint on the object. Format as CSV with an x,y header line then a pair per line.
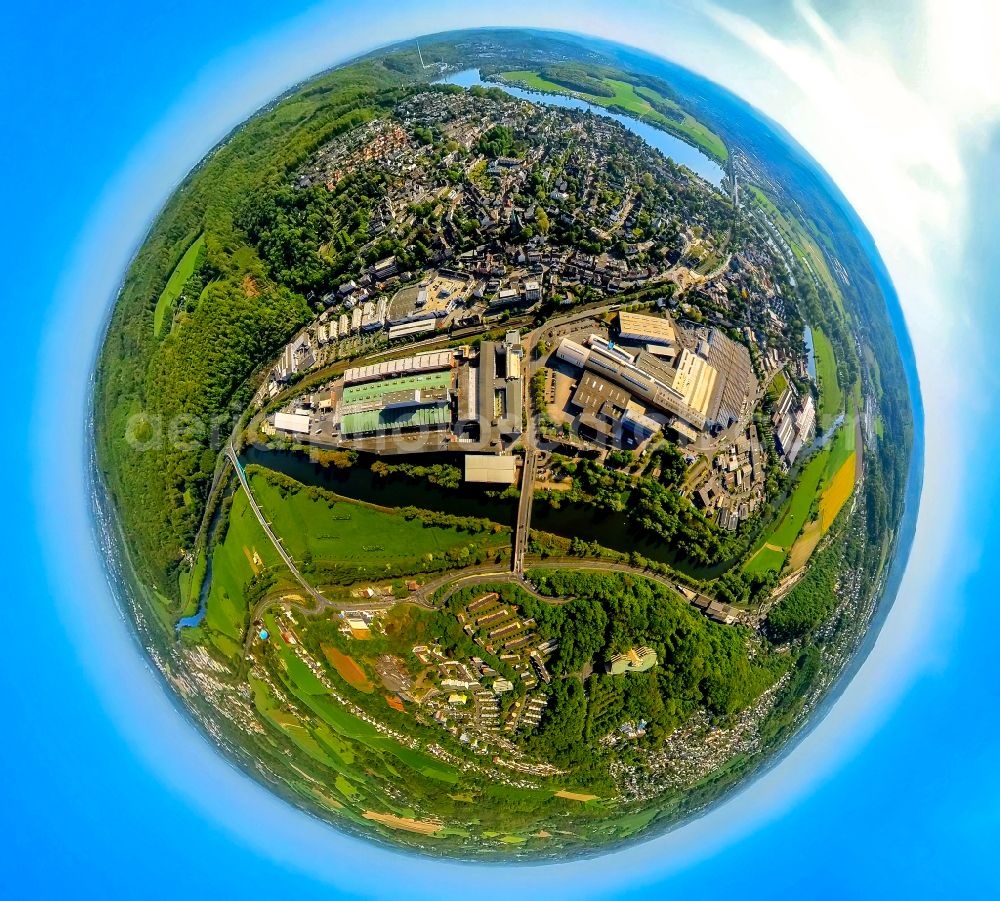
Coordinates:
x,y
182,272
831,397
345,531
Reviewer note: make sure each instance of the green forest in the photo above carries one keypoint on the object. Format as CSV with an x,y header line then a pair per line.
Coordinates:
x,y
167,401
701,664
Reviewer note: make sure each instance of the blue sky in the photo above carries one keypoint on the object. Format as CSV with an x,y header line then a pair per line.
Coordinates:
x,y
106,785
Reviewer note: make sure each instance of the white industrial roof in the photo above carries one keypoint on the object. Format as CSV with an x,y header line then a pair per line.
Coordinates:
x,y
491,468
438,359
292,422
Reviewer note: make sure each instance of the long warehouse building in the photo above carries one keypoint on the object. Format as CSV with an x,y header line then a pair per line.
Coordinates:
x,y
420,400
425,362
724,398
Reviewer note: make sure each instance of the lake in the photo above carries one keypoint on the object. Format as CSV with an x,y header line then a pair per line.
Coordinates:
x,y
679,151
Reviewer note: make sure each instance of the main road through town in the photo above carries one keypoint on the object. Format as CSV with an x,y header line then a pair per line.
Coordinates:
x,y
522,528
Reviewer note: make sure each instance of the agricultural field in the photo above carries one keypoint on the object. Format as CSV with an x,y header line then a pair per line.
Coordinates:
x,y
336,720
831,475
364,766
774,546
842,470
837,492
800,502
182,272
348,669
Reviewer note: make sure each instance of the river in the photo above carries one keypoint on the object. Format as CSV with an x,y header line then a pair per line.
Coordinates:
x,y
568,520
881,770
396,490
679,151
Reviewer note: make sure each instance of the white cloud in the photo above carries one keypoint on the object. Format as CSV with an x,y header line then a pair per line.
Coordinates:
x,y
899,144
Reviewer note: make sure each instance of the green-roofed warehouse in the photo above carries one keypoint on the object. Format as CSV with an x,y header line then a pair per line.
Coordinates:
x,y
421,400
371,422
373,392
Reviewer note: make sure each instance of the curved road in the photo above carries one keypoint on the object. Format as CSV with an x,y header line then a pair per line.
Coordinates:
x,y
497,574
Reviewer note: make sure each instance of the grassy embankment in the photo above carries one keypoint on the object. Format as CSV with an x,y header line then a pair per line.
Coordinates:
x,y
245,552
321,534
831,397
314,528
190,582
